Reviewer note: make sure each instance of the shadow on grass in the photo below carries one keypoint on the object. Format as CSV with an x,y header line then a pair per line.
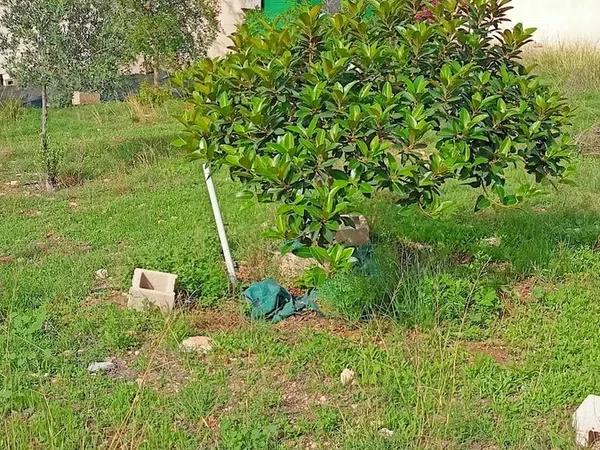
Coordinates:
x,y
95,160
422,271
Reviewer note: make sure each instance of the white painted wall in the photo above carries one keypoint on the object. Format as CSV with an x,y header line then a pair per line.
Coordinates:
x,y
560,21
557,21
232,13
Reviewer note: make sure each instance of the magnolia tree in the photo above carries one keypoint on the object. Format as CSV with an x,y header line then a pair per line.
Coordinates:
x,y
63,46
393,95
170,33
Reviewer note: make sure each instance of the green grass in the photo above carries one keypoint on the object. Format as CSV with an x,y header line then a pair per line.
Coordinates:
x,y
456,342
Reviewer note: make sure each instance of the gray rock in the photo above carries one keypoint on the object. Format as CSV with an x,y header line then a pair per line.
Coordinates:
x,y
101,274
101,367
386,432
492,241
356,235
198,344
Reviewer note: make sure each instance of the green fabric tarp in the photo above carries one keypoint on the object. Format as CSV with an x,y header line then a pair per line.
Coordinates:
x,y
272,302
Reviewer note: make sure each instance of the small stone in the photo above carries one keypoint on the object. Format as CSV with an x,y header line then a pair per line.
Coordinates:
x,y
14,183
73,205
356,235
101,274
101,366
492,241
199,344
346,377
385,432
586,421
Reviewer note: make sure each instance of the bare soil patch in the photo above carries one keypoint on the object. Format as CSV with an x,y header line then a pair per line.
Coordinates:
x,y
314,321
112,297
54,241
524,289
227,317
496,350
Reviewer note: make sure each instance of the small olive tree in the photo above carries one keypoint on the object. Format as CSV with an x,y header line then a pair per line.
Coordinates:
x,y
170,33
64,45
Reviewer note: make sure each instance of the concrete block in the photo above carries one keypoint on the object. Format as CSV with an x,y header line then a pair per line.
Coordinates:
x,y
85,98
356,235
586,421
154,288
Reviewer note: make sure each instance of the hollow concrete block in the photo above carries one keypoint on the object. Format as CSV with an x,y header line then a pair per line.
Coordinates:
x,y
586,421
149,287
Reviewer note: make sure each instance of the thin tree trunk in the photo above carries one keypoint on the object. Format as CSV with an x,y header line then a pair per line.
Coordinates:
x,y
156,71
50,177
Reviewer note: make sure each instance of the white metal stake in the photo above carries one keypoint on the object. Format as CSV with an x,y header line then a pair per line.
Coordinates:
x,y
220,227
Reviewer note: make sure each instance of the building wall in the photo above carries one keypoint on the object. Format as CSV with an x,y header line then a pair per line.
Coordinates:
x,y
560,21
565,21
232,13
557,21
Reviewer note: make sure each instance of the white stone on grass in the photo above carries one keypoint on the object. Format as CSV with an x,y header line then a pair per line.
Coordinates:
x,y
586,421
101,367
101,274
386,432
199,344
346,377
492,241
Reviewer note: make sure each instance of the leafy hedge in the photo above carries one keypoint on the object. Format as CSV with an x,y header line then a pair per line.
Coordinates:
x,y
395,95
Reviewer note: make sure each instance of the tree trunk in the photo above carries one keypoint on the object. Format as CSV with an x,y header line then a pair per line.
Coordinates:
x,y
333,6
50,175
156,71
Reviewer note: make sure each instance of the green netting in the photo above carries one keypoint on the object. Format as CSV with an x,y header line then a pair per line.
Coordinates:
x,y
270,301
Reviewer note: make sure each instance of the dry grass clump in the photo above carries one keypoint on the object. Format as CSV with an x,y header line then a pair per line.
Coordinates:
x,y
11,109
139,111
574,68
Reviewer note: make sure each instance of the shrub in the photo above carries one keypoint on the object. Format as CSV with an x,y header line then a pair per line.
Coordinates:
x,y
382,96
153,95
52,156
